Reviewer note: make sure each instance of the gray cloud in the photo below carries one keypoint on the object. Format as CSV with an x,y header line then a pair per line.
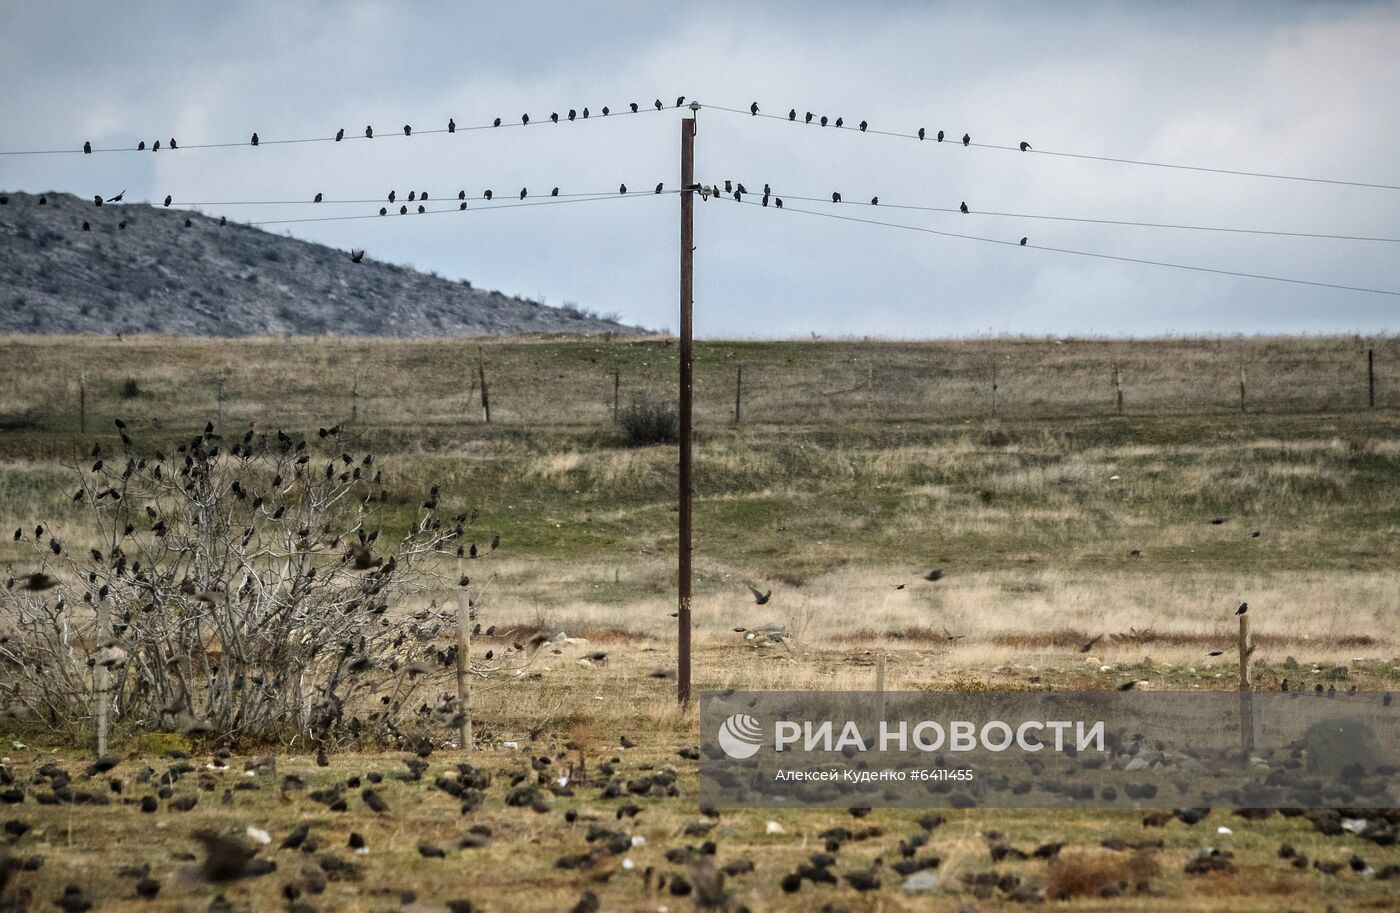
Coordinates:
x,y
1298,88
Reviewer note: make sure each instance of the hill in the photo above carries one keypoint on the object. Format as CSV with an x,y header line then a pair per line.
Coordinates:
x,y
158,275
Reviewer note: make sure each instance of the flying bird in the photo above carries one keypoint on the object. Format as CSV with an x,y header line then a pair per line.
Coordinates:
x,y
934,575
759,598
1089,645
117,198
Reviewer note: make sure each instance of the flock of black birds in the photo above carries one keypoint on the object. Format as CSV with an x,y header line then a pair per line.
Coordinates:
x,y
324,847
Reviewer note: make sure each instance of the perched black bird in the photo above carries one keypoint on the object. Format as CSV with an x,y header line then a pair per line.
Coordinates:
x,y
554,192
836,197
1244,607
254,140
155,147
621,188
383,211
778,202
874,201
167,200
403,210
606,111
369,132
658,104
921,133
523,192
572,114
461,194
1025,146
963,208
451,125
317,199
554,117
967,139
486,195
173,144
97,200
823,120
392,195
407,130
633,106
809,117
141,146
87,148
585,114
357,256
840,122
863,125
340,134
792,114
940,136
496,122
658,188
753,108
525,119
189,223
1023,241
680,100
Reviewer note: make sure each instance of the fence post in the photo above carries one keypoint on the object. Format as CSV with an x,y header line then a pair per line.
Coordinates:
x,y
994,387
879,690
82,403
1371,377
1118,386
617,389
738,394
219,397
464,646
355,399
1244,407
1246,691
485,399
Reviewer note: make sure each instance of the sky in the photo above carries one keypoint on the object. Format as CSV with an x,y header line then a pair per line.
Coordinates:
x,y
1297,88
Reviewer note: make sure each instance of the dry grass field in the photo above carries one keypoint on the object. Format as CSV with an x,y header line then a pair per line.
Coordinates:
x,y
857,468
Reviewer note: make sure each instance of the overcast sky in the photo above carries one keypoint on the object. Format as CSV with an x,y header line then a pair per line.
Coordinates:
x,y
1307,89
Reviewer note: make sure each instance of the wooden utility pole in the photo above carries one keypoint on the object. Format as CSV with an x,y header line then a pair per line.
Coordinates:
x,y
687,356
485,399
1371,377
738,394
1246,691
464,647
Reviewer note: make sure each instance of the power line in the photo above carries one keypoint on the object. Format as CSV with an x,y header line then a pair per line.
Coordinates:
x,y
498,123
1080,253
450,196
520,204
801,120
883,204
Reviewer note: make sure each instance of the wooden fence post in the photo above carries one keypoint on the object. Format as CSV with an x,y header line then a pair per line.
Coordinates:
x,y
1371,377
82,403
355,399
485,399
1246,691
1118,386
617,392
219,397
738,394
994,387
1244,406
464,646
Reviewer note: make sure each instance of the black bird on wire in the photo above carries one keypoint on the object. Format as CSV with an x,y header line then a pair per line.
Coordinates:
x,y
874,201
963,208
940,136
585,114
809,117
407,130
836,197
554,192
392,194
254,140
525,119
658,188
967,139
840,122
572,114
461,194
486,195
753,108
155,147
634,107
680,100
921,133
141,146
823,120
340,134
451,125
523,192
658,104
621,188
369,132
421,210
412,195
496,122
606,111
863,125
554,117
1025,146
383,211
318,198
87,148
1023,241
403,210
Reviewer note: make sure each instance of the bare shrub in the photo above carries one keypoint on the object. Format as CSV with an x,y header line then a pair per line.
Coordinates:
x,y
648,422
241,589
130,389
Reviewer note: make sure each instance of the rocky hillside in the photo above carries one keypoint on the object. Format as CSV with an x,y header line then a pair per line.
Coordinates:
x,y
158,275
